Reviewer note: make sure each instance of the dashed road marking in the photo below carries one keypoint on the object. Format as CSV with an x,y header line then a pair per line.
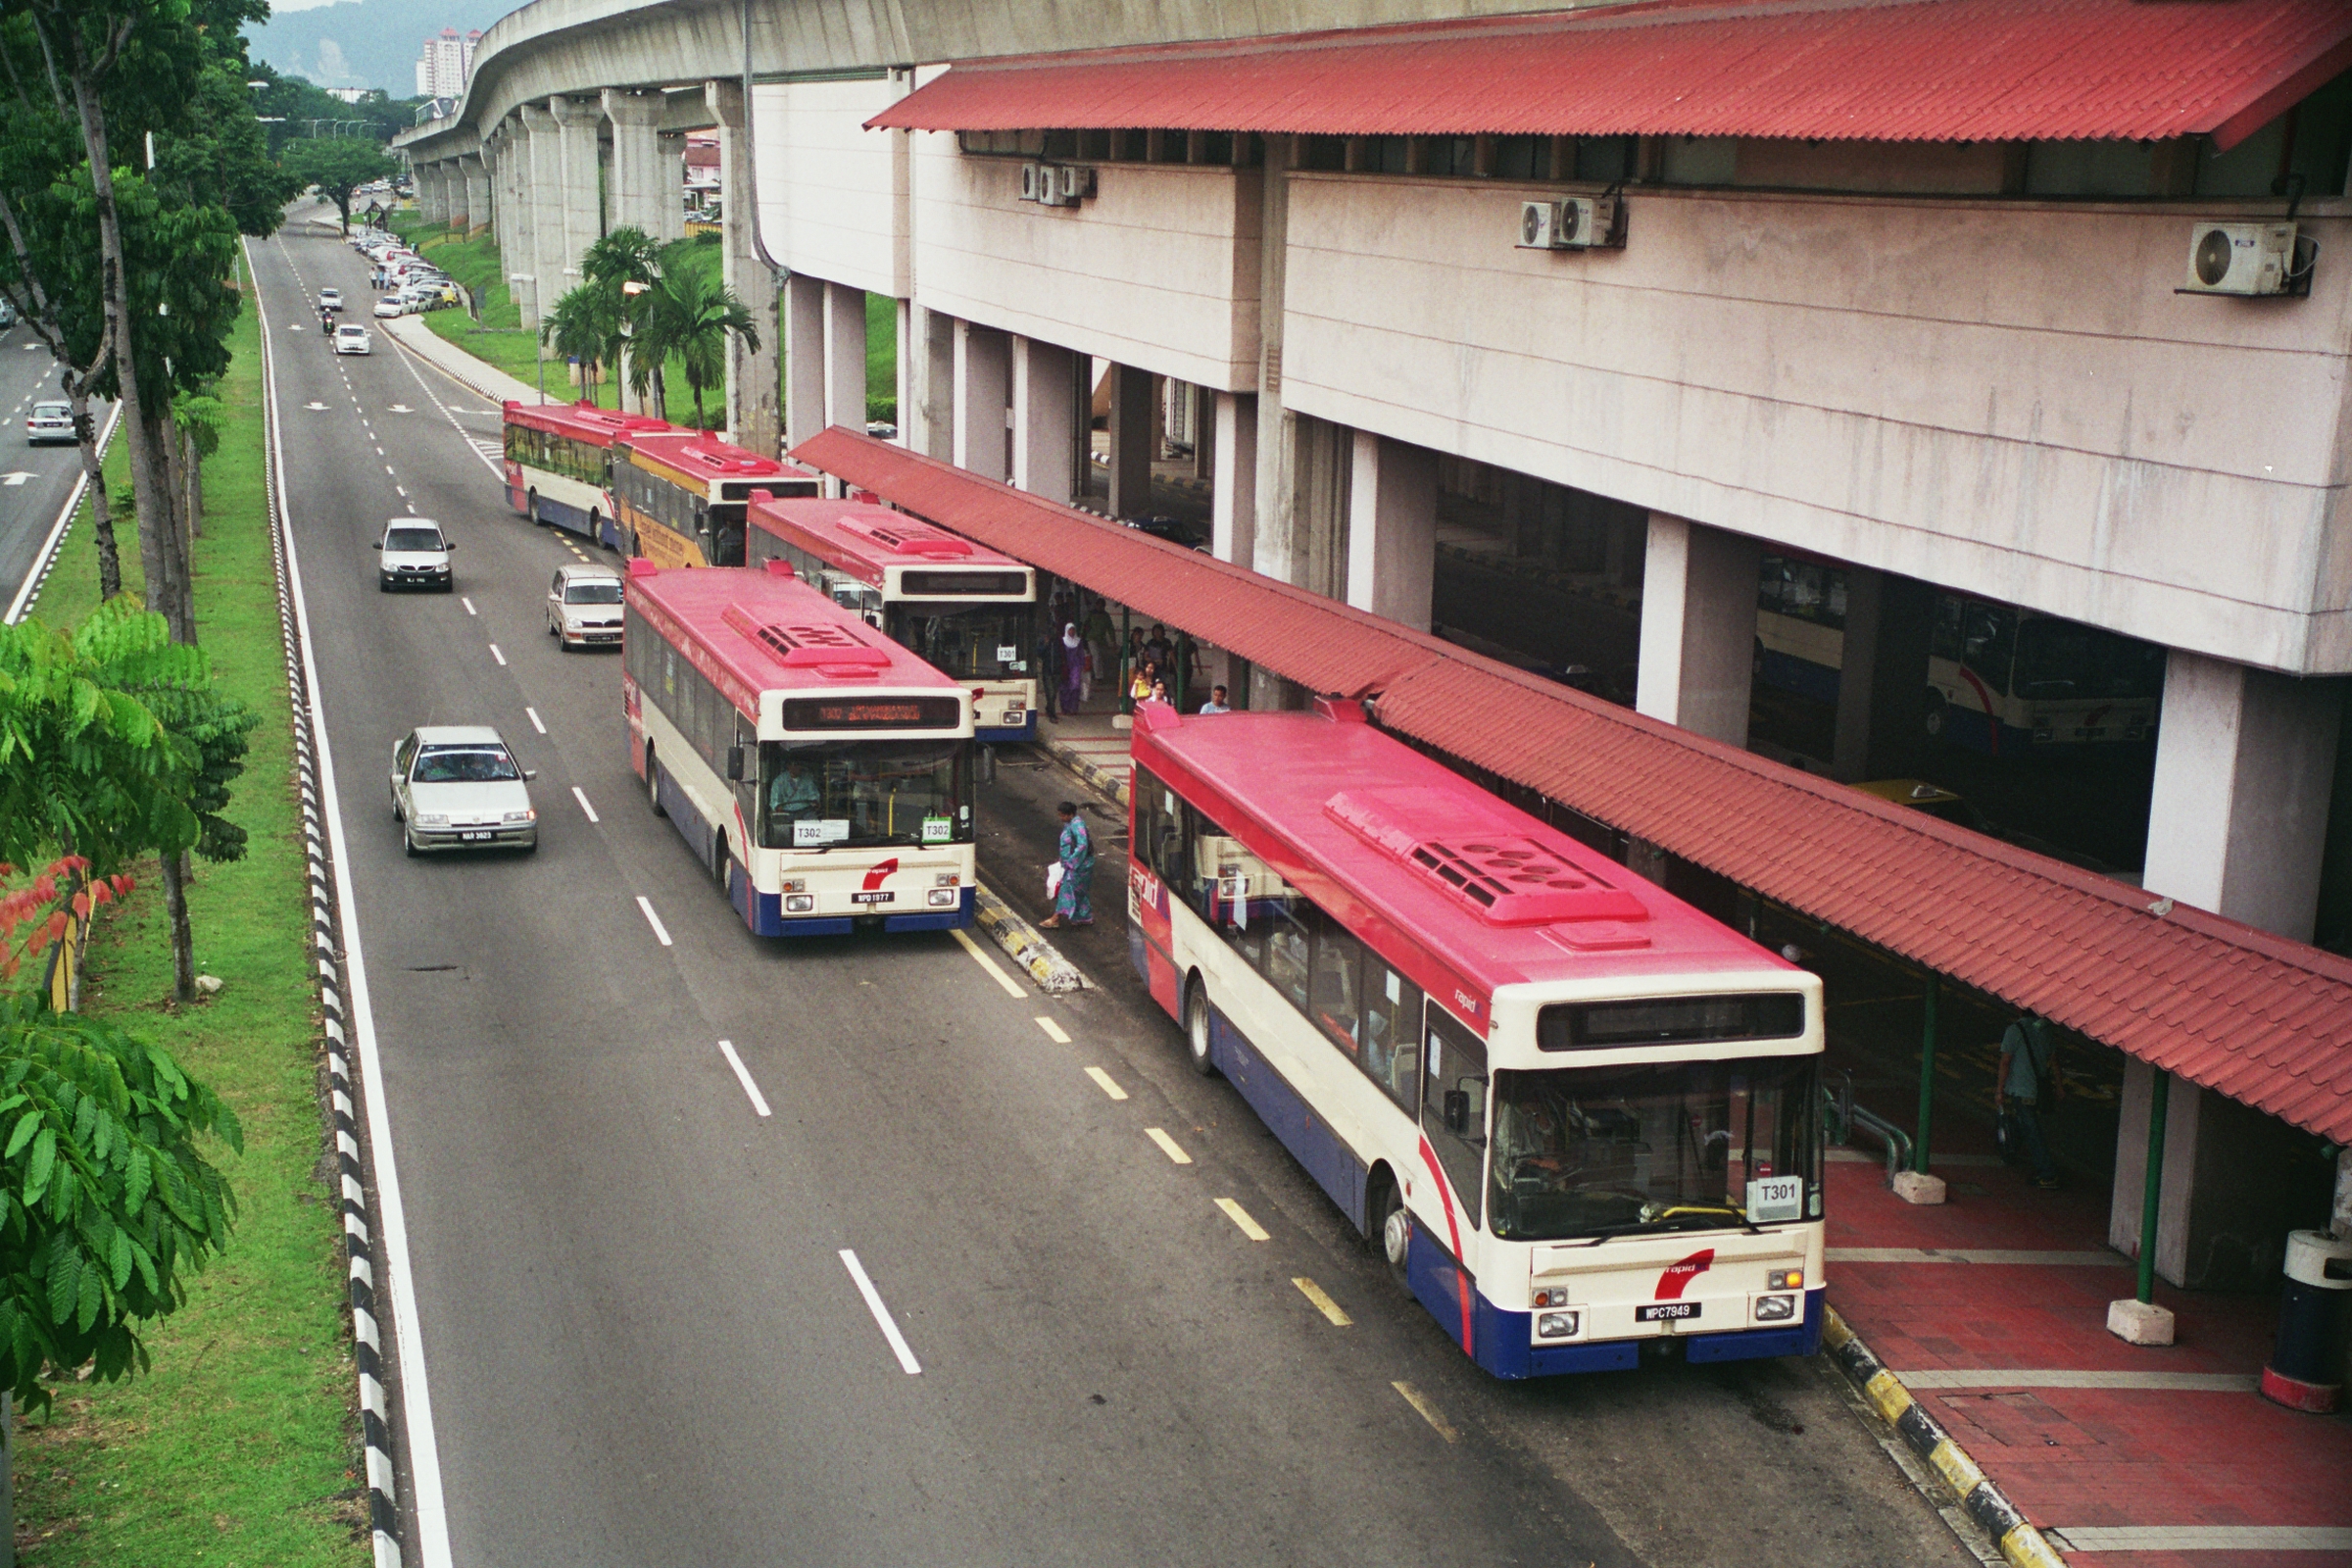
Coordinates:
x,y
661,931
990,964
1241,1216
495,653
1175,1153
532,714
1428,1413
584,805
743,1076
1104,1082
1054,1031
882,1318
467,603
1322,1300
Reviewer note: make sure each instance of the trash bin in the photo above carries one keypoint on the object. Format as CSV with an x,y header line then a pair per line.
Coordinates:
x,y
2311,1319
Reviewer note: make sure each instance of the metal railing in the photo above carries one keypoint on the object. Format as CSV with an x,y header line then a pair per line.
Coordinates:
x,y
1842,1118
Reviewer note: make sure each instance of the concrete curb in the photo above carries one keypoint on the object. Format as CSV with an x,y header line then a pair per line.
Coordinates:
x,y
1048,967
1095,778
2021,1544
475,374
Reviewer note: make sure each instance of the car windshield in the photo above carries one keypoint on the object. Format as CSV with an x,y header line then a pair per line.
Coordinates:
x,y
1596,1152
465,764
52,411
976,642
596,592
351,331
846,794
411,539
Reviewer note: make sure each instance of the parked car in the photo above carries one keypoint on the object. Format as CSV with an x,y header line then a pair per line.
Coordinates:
x,y
49,421
352,338
7,315
457,787
330,299
583,607
415,555
1175,530
389,306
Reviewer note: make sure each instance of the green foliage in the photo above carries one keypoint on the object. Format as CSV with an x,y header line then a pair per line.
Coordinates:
x,y
106,1204
212,732
687,314
337,166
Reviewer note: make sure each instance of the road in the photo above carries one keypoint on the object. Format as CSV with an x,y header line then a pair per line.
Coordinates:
x,y
642,1338
35,481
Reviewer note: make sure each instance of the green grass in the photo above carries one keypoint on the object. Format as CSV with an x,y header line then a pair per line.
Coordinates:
x,y
241,1446
882,358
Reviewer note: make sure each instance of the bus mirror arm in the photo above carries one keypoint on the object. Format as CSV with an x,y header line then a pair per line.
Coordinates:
x,y
1457,1111
735,764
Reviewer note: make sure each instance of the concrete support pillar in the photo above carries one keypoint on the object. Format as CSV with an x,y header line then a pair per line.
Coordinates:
x,y
983,386
431,202
802,305
1132,410
1045,418
1233,483
754,375
1882,681
845,356
540,187
635,186
928,375
1698,628
473,171
670,187
1393,529
579,125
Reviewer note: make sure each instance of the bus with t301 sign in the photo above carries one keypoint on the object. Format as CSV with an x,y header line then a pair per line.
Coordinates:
x,y
559,463
1579,1119
821,773
680,495
970,612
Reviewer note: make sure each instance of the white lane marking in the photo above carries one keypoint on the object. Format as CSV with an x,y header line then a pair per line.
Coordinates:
x,y
1104,1082
1428,1413
467,603
1170,1147
743,1076
1241,1216
2052,1378
387,467
402,407
873,1305
584,805
987,963
532,714
416,1403
38,572
314,407
1054,1031
495,653
11,480
661,931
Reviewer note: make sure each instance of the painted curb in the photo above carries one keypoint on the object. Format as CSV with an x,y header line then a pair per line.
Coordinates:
x,y
2021,1544
1048,968
358,1242
1095,778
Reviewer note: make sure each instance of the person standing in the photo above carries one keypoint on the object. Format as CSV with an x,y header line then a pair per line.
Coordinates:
x,y
1048,672
1073,902
1216,701
2017,1091
1073,667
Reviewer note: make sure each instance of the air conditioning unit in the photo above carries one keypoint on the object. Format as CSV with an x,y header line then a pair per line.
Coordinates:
x,y
1075,183
2241,258
1571,224
1035,180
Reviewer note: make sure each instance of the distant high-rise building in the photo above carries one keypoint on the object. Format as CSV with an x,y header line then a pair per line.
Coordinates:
x,y
447,65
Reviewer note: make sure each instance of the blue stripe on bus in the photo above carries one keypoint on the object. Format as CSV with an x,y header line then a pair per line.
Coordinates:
x,y
1749,1345
1308,1136
569,518
1009,734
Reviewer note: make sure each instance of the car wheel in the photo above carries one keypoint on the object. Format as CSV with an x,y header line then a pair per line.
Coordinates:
x,y
653,784
1196,1030
408,842
1392,1234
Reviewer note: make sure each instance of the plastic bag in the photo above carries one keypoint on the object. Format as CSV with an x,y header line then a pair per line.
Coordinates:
x,y
1053,880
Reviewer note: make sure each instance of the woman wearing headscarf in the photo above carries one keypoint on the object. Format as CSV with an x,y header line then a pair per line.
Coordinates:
x,y
1074,903
1073,667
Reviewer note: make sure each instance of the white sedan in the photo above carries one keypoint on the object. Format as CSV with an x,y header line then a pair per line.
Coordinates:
x,y
457,786
390,306
352,338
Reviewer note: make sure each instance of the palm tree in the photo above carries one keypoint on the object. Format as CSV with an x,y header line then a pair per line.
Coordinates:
x,y
591,320
584,325
688,315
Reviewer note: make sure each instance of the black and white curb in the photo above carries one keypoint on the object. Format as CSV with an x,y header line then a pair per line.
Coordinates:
x,y
359,1241
2019,1542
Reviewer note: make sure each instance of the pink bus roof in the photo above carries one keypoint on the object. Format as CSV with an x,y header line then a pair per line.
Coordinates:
x,y
699,453
1462,891
752,630
584,420
865,539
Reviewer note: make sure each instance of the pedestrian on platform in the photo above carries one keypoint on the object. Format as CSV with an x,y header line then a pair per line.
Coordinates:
x,y
1073,667
1074,903
2017,1094
1159,689
1048,671
1216,701
1157,648
1102,641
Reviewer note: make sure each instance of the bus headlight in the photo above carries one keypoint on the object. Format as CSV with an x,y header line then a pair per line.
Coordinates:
x,y
942,898
1557,1325
1775,1308
799,904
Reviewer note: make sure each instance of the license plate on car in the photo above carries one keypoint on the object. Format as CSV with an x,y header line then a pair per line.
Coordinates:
x,y
872,898
471,838
1666,1312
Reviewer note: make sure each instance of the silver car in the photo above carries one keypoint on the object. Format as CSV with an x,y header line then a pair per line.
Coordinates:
x,y
457,787
49,421
415,555
583,607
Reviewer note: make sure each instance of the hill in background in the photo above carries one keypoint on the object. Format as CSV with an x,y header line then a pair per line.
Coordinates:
x,y
366,43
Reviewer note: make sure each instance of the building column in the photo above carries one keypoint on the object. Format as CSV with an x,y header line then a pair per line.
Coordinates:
x,y
1393,529
928,375
982,388
1882,676
580,198
754,375
801,303
1045,418
845,356
431,202
1698,628
1132,410
474,170
542,188
670,185
1233,482
636,188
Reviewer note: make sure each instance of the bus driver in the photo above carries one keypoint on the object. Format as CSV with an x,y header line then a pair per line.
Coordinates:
x,y
793,794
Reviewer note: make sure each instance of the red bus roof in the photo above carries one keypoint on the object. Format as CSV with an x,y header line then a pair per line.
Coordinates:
x,y
865,539
584,420
1461,891
752,632
705,455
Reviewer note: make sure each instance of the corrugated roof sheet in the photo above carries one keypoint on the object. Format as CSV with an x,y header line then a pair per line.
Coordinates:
x,y
1880,71
2254,1016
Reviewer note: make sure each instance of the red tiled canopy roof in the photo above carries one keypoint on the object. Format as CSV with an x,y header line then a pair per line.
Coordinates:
x,y
1877,70
2253,1016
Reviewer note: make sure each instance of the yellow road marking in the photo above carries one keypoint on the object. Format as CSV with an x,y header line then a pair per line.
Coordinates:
x,y
1323,1302
1169,1147
1103,1082
1241,1216
987,963
1054,1033
1429,1411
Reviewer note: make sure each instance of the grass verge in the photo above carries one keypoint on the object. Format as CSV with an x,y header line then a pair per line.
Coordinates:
x,y
242,1446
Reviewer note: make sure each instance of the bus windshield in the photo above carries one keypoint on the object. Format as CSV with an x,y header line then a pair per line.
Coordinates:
x,y
1597,1152
2061,658
818,795
967,642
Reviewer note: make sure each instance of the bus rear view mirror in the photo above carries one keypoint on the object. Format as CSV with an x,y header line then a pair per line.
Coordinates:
x,y
735,764
1457,1111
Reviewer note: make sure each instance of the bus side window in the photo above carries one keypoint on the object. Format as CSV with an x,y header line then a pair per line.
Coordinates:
x,y
1453,1102
1337,992
1392,1033
1290,928
1171,848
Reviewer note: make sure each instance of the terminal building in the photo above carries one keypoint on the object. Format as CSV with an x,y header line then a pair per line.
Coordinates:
x,y
1950,396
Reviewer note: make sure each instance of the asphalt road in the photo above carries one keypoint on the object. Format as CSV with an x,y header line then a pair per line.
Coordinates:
x,y
643,1342
34,480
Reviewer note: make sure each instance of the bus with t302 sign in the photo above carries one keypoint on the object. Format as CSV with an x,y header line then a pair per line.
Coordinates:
x,y
1579,1119
559,463
970,612
680,495
821,773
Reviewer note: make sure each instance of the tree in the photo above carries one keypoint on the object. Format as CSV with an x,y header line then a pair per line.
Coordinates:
x,y
337,166
688,315
592,320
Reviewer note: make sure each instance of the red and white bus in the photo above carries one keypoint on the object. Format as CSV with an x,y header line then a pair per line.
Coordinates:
x,y
1577,1116
559,466
822,773
970,612
680,495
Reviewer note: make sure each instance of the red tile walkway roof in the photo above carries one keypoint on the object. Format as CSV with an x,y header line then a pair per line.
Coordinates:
x,y
2256,1017
1881,70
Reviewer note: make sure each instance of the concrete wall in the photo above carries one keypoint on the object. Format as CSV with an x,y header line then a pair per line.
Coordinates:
x,y
1158,270
2004,397
832,196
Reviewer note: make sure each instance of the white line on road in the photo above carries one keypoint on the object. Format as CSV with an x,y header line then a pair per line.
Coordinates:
x,y
387,467
743,1076
495,653
1170,1147
1323,1303
34,574
1428,1411
402,491
1241,1216
661,931
584,805
1054,1031
873,1305
532,714
1104,1082
2169,1538
467,603
987,963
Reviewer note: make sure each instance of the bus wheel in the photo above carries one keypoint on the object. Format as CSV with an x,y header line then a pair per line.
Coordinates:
x,y
1934,716
653,782
1394,1232
596,528
1196,1029
531,506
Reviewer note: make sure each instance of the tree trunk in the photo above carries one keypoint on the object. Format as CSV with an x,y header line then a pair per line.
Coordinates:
x,y
162,523
191,489
102,515
183,942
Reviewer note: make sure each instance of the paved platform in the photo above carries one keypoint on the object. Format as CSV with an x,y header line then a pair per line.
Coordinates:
x,y
486,378
1090,737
